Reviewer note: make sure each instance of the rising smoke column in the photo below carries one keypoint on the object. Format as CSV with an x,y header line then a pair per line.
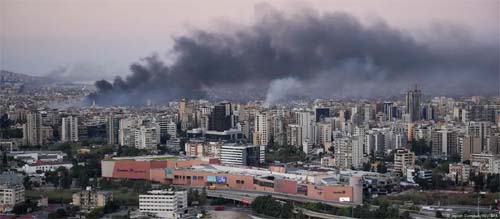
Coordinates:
x,y
327,53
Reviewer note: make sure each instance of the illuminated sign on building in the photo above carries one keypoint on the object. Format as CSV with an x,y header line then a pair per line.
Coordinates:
x,y
344,199
221,179
211,179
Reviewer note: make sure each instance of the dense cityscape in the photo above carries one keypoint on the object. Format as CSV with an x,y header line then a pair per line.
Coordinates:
x,y
411,156
278,110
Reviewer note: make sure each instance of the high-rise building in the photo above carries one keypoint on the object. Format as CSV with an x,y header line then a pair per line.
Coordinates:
x,y
187,115
277,129
306,122
262,130
127,132
379,143
444,142
358,146
469,145
324,135
321,113
246,155
343,153
482,113
113,130
222,117
367,113
32,130
171,129
428,112
479,129
69,129
147,137
294,135
492,146
413,98
388,111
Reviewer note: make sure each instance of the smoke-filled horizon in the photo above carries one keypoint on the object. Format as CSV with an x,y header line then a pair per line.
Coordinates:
x,y
309,54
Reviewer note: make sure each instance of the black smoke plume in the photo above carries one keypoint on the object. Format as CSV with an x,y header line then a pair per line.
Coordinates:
x,y
325,54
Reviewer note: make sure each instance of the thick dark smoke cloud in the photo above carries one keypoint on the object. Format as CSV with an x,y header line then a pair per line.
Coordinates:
x,y
325,54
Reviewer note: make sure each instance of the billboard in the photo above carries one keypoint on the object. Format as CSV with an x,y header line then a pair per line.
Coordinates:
x,y
344,199
211,179
169,174
221,179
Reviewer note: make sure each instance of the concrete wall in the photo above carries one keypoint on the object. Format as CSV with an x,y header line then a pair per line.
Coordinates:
x,y
285,186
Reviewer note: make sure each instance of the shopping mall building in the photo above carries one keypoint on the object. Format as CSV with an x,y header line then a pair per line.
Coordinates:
x,y
195,172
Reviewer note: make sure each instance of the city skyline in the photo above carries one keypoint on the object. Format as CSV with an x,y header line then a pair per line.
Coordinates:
x,y
273,49
250,109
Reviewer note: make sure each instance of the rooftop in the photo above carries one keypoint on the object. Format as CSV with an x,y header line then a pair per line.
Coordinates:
x,y
10,178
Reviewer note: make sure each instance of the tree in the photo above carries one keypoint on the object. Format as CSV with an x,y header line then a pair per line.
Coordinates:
x,y
478,182
203,196
428,164
455,158
267,205
405,215
382,168
111,207
420,147
26,207
60,177
60,213
367,166
493,182
439,214
27,183
4,121
5,159
286,210
331,149
96,213
390,157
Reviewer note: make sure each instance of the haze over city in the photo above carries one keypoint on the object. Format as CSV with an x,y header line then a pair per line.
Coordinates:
x,y
171,49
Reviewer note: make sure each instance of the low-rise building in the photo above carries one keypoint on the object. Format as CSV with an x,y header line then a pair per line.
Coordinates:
x,y
11,190
42,167
403,159
90,199
459,172
164,203
486,163
413,173
31,157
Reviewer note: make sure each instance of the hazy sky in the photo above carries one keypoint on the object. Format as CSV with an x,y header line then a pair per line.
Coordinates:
x,y
100,38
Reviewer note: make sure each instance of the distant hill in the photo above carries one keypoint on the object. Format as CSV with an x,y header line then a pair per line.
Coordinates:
x,y
11,77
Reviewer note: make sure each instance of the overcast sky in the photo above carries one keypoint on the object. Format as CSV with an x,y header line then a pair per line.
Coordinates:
x,y
100,38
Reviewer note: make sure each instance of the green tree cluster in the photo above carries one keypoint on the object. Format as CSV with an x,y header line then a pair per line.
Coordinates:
x,y
285,154
60,178
420,147
269,206
195,196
